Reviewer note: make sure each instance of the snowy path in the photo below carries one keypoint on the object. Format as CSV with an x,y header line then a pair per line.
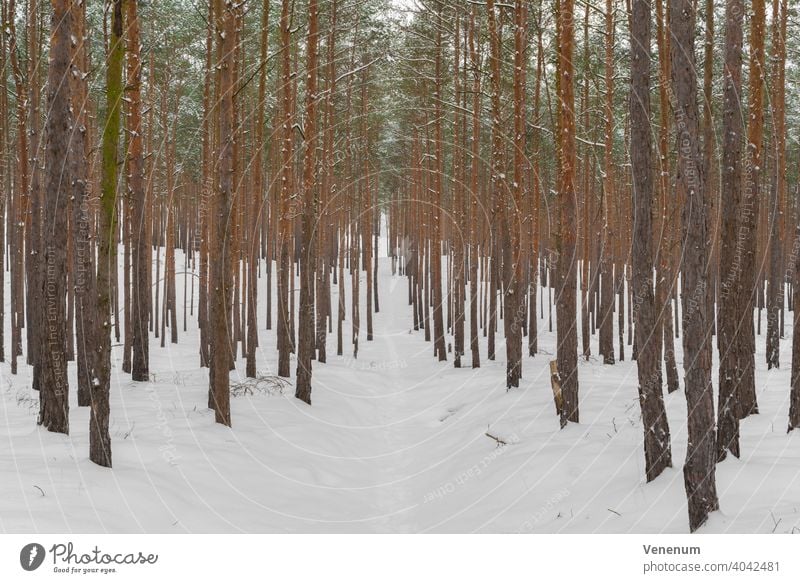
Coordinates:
x,y
378,385
394,442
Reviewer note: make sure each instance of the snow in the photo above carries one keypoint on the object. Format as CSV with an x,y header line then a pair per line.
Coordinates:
x,y
394,442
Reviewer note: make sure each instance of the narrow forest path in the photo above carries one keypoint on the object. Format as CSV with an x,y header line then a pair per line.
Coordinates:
x,y
384,379
384,384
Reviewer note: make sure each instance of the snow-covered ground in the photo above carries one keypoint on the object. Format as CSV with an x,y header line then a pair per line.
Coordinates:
x,y
395,441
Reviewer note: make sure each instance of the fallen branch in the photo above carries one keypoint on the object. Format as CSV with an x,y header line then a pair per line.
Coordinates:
x,y
500,442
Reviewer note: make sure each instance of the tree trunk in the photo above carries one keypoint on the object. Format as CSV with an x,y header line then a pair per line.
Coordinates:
x,y
82,216
54,386
99,439
308,256
665,282
699,470
567,333
141,229
514,305
748,216
730,255
457,280
657,450
794,397
474,249
436,254
220,273
776,284
606,340
284,267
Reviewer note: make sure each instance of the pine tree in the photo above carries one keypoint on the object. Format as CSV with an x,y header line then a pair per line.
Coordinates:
x,y
606,340
220,275
567,330
436,254
308,256
474,250
776,282
665,280
284,221
52,362
82,216
748,216
730,200
99,439
514,299
699,469
141,227
259,198
658,454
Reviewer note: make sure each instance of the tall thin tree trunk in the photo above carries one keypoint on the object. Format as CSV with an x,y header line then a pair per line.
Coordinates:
x,y
457,280
567,329
474,250
665,281
284,266
308,256
776,283
19,211
99,439
657,449
82,216
206,196
794,396
54,387
748,217
220,273
730,256
514,302
436,254
699,469
141,229
606,340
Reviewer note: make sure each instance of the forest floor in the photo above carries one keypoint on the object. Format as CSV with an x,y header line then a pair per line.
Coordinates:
x,y
395,441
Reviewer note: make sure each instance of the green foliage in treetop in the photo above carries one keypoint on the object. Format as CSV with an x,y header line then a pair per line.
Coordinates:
x,y
396,37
